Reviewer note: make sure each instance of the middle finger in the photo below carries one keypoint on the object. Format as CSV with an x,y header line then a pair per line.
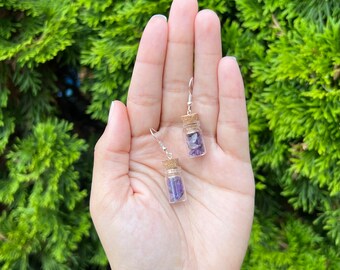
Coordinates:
x,y
179,60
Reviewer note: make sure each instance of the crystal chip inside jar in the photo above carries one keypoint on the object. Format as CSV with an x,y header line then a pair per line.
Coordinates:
x,y
195,144
193,135
174,181
176,188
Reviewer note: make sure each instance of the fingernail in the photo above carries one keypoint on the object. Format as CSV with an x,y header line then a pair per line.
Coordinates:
x,y
160,16
111,110
232,57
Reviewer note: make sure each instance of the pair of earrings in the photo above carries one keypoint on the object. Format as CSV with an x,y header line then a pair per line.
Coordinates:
x,y
196,148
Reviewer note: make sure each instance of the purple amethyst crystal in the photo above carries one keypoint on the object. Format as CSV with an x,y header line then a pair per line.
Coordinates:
x,y
195,144
175,187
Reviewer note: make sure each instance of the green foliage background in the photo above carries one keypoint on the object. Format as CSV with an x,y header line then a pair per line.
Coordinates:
x,y
289,52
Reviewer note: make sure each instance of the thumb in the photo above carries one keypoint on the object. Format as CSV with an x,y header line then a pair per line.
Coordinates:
x,y
110,181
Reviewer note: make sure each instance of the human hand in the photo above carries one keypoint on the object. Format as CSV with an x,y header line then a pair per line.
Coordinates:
x,y
137,226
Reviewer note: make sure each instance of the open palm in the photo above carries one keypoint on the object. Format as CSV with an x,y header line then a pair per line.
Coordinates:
x,y
137,226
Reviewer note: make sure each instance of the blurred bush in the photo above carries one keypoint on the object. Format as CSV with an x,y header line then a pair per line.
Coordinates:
x,y
63,61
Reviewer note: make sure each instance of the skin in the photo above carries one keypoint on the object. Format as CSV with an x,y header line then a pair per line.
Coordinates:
x,y
137,226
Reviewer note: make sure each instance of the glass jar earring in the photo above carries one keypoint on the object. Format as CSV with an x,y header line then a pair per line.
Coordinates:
x,y
173,176
192,130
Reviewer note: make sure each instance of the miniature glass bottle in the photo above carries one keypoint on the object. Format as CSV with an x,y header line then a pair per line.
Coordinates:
x,y
174,181
193,135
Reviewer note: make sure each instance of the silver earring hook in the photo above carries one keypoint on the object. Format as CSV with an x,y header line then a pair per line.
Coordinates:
x,y
191,87
153,133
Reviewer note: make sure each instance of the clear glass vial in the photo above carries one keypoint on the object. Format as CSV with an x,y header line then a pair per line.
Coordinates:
x,y
193,135
174,181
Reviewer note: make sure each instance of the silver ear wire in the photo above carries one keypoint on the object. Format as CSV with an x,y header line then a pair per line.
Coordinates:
x,y
190,87
153,133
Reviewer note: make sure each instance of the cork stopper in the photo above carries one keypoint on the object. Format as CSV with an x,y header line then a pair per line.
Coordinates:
x,y
189,118
170,164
